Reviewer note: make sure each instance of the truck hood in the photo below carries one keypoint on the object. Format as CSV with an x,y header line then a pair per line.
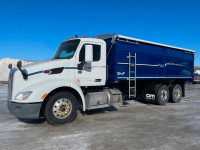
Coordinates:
x,y
45,65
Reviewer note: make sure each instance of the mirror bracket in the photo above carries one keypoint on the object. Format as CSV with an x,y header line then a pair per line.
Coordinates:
x,y
10,66
19,66
81,65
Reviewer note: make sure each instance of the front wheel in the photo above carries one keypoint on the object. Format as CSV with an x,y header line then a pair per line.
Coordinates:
x,y
162,95
61,108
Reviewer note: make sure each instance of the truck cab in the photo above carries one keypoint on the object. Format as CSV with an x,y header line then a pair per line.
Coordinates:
x,y
54,88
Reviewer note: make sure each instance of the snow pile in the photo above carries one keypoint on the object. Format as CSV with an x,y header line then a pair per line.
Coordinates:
x,y
4,70
197,71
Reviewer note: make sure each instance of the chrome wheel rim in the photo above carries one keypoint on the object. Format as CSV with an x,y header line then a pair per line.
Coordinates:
x,y
177,93
62,108
163,95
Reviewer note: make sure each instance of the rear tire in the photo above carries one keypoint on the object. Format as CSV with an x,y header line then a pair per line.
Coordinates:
x,y
61,108
176,94
162,95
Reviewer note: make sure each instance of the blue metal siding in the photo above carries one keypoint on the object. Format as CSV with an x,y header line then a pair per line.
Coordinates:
x,y
178,63
178,67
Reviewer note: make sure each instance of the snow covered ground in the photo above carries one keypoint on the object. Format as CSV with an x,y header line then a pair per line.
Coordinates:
x,y
4,70
134,125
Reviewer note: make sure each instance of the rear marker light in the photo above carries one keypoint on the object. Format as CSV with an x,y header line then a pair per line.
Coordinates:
x,y
69,39
47,71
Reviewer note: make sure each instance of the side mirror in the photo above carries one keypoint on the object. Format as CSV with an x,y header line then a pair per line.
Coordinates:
x,y
88,53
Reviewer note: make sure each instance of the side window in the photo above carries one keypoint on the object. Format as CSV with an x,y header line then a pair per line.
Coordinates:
x,y
82,54
96,53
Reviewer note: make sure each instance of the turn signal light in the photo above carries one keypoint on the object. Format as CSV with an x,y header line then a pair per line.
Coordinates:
x,y
43,96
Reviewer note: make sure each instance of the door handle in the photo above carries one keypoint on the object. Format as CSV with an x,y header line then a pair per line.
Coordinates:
x,y
97,80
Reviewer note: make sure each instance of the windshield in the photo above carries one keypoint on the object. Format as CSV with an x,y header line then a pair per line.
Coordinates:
x,y
67,49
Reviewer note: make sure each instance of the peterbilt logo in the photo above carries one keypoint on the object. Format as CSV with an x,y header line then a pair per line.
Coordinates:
x,y
120,73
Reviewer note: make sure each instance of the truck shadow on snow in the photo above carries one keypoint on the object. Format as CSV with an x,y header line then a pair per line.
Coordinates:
x,y
100,110
143,101
32,121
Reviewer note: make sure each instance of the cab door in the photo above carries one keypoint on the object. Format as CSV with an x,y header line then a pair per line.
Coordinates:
x,y
93,73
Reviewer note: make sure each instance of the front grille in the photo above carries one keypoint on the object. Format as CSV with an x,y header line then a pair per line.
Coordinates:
x,y
10,83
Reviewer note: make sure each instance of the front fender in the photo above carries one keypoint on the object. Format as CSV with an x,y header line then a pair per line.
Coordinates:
x,y
46,86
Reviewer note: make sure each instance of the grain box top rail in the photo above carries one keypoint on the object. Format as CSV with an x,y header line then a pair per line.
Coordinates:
x,y
106,36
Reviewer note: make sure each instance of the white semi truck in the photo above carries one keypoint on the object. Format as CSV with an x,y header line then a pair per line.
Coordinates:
x,y
90,72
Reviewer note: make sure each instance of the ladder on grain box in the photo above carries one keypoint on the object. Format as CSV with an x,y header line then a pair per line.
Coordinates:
x,y
132,79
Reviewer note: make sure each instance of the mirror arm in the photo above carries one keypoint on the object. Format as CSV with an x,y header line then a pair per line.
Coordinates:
x,y
10,66
23,73
81,65
19,66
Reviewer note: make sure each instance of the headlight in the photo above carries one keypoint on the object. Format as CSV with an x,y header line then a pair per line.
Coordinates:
x,y
23,95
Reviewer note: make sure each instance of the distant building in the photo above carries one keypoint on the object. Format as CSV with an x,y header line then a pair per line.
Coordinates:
x,y
197,71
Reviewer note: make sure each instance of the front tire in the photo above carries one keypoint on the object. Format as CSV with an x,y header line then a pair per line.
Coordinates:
x,y
61,108
176,93
162,95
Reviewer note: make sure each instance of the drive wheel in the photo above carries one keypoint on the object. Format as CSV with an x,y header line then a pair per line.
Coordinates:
x,y
61,108
176,93
162,95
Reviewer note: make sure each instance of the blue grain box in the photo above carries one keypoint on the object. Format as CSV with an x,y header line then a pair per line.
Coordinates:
x,y
154,61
